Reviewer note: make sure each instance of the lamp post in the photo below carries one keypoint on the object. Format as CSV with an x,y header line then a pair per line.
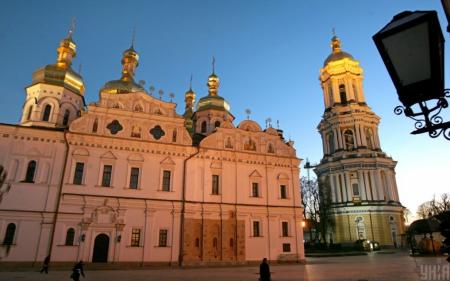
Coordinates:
x,y
412,48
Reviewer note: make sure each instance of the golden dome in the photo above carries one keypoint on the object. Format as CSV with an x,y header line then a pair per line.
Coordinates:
x,y
213,84
61,73
126,83
337,53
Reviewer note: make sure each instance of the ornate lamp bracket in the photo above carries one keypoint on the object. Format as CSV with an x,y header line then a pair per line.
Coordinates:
x,y
428,119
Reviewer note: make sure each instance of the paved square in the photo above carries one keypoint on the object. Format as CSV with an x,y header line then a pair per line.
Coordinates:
x,y
374,267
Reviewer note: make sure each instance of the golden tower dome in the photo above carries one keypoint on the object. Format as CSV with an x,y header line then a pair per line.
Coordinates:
x,y
61,73
337,53
126,84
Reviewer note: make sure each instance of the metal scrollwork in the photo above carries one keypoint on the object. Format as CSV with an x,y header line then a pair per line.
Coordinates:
x,y
427,119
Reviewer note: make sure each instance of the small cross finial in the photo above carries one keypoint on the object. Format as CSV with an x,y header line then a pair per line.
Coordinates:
x,y
248,112
190,83
133,35
334,31
213,65
72,27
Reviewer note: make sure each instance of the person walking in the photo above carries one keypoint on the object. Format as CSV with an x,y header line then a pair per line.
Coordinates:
x,y
264,271
45,265
77,271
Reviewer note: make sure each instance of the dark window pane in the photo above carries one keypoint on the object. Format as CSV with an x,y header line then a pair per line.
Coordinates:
x,y
134,177
135,237
66,117
106,180
283,193
9,234
286,247
203,128
163,238
256,229
255,189
285,229
31,170
46,115
215,184
78,176
70,235
95,126
166,181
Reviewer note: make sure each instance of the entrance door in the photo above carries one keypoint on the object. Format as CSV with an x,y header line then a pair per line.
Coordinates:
x,y
101,246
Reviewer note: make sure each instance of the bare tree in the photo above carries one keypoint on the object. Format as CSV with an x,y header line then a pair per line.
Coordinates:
x,y
434,206
310,201
326,222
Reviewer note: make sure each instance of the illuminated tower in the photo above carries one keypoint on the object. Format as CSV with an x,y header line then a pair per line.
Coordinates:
x,y
212,110
55,96
189,99
361,177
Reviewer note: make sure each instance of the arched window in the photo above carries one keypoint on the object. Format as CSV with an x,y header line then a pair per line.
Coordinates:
x,y
95,126
369,139
138,108
330,139
270,148
217,124
349,140
342,94
31,170
47,110
355,91
203,128
330,95
30,110
70,235
9,234
66,117
174,136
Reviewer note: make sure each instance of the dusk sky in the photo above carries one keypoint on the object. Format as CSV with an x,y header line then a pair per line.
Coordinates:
x,y
268,56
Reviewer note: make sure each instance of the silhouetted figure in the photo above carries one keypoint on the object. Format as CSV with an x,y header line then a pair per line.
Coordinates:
x,y
264,271
77,271
45,265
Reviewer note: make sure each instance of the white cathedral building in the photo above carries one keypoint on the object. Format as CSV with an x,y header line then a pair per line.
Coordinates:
x,y
128,180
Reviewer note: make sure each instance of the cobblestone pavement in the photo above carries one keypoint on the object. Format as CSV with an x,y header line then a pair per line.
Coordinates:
x,y
374,267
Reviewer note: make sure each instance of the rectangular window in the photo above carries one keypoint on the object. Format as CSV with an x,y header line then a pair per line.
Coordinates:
x,y
286,247
107,172
78,175
134,177
283,191
255,189
256,232
215,184
284,229
135,237
166,181
163,238
355,189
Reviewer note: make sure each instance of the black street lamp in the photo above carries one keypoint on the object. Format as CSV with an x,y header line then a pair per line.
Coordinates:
x,y
412,48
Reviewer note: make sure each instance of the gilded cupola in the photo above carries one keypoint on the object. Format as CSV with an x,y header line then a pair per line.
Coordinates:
x,y
337,53
61,73
213,100
126,84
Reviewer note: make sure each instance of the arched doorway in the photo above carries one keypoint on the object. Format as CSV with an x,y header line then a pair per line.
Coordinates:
x,y
101,246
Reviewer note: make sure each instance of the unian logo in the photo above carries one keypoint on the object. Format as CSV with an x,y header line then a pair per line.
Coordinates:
x,y
435,272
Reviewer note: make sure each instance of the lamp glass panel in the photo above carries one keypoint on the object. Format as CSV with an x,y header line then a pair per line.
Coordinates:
x,y
409,52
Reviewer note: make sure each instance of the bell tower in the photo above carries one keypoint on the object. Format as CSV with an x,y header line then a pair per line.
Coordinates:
x,y
360,176
56,94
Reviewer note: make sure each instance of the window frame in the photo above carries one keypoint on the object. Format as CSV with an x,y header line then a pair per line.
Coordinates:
x,y
255,186
135,237
285,228
131,175
75,173
166,186
28,177
102,179
69,240
283,194
256,228
46,114
286,247
8,238
215,184
163,236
